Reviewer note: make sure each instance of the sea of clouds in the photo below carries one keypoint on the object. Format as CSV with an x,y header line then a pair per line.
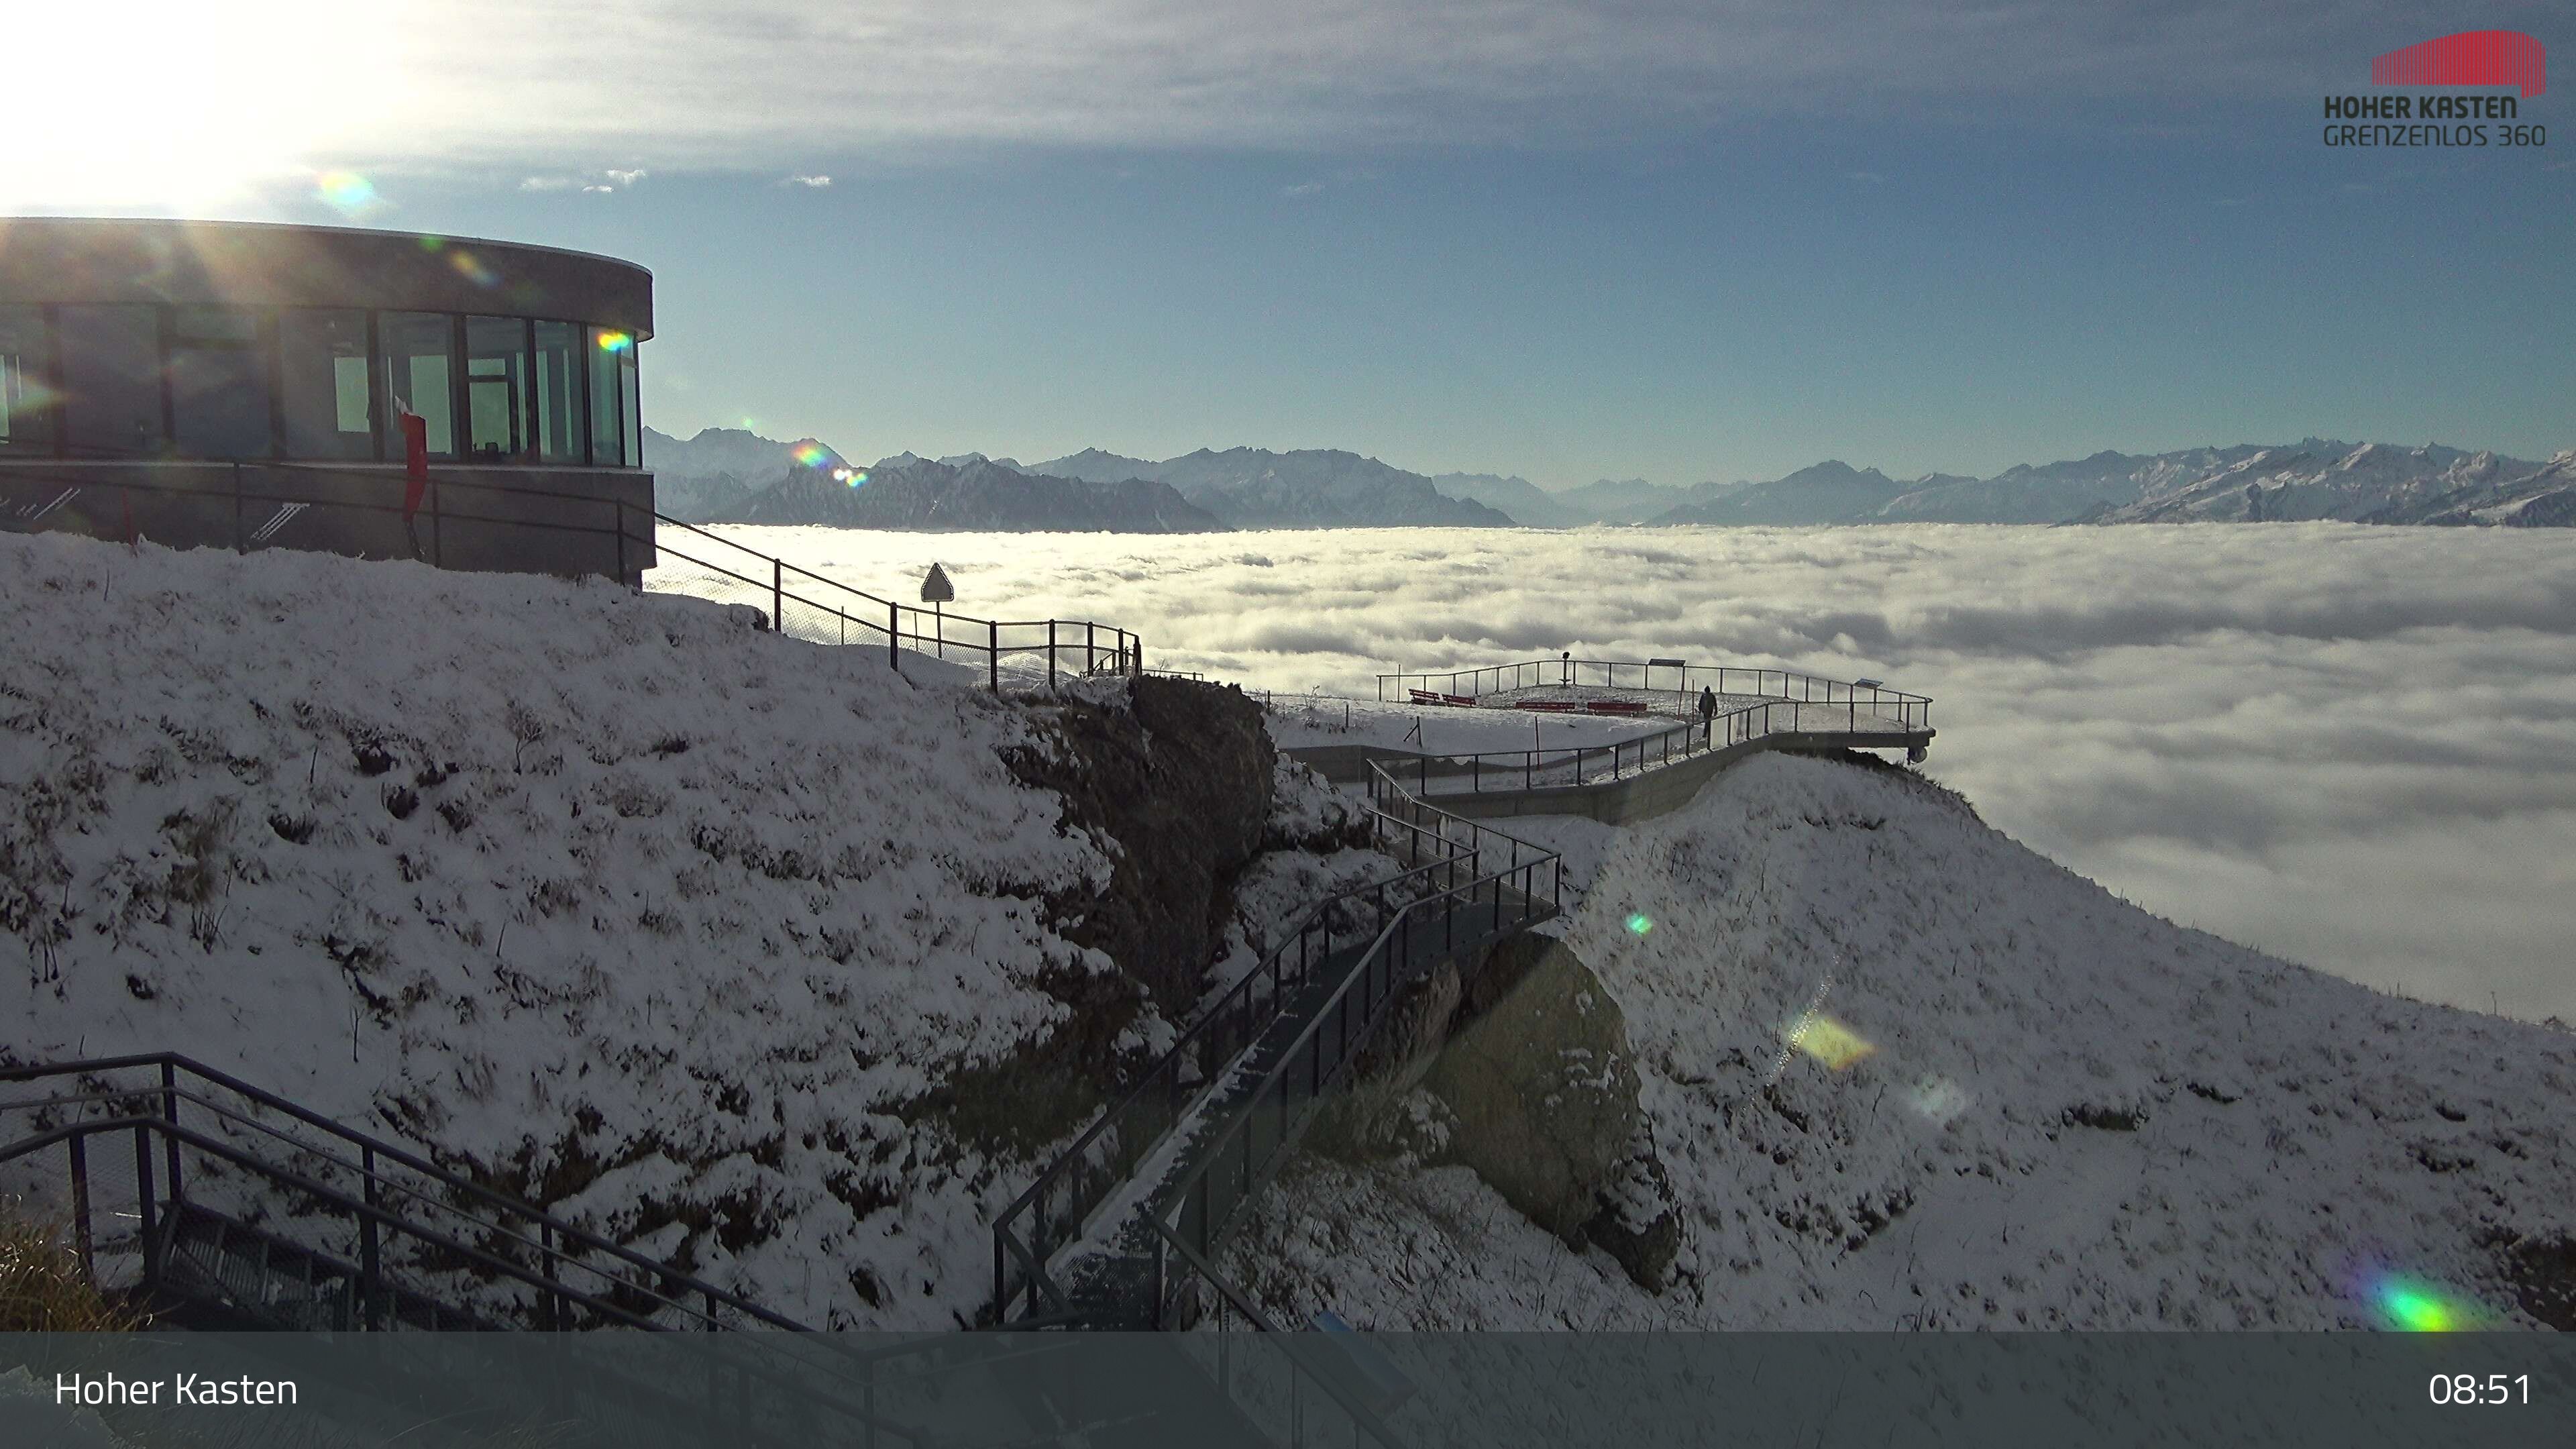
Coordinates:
x,y
2353,747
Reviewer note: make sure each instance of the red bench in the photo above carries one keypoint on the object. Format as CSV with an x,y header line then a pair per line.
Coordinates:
x,y
1615,706
1550,706
1424,696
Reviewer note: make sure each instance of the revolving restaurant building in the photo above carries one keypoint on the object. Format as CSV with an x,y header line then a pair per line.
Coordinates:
x,y
470,404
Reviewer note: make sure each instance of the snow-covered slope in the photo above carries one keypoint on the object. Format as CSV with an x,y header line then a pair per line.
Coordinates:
x,y
670,923
2319,479
2066,1113
2543,498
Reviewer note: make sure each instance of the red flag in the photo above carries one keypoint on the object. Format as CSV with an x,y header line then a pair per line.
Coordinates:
x,y
415,431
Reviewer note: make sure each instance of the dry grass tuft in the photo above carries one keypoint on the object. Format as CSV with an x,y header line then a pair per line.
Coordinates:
x,y
43,1288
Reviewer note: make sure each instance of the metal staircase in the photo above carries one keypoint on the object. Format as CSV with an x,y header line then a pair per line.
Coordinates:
x,y
1122,1229
221,1206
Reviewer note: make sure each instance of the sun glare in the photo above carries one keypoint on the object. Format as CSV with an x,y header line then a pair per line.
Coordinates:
x,y
186,105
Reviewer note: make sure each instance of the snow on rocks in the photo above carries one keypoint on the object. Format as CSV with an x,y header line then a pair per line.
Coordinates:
x,y
1903,1072
611,899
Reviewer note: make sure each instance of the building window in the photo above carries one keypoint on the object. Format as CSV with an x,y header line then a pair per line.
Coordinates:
x,y
630,394
561,423
496,388
322,360
219,397
111,381
26,403
607,432
418,351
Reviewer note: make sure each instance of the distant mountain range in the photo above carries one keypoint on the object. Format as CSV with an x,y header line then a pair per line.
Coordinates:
x,y
1307,488
728,475
805,482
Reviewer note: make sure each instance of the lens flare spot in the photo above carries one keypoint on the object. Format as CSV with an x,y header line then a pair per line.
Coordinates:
x,y
470,267
617,342
347,192
857,478
2411,1305
1640,924
809,454
1828,1040
1936,1100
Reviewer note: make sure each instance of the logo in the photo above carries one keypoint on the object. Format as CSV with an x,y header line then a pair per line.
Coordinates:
x,y
2489,60
2470,58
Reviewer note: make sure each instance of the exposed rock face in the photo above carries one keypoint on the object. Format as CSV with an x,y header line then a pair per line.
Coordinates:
x,y
1530,1081
1543,1093
1177,784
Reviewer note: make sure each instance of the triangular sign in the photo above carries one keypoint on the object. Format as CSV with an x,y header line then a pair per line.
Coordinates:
x,y
935,589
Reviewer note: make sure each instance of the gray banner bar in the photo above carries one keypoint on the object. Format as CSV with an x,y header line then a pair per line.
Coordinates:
x,y
1423,1391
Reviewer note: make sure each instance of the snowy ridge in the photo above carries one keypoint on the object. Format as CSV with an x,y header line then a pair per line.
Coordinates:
x,y
2068,1113
449,856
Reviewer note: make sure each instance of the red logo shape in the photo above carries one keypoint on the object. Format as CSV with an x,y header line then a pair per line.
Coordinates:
x,y
2470,58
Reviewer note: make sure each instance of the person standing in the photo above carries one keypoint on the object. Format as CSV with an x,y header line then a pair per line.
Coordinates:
x,y
1708,715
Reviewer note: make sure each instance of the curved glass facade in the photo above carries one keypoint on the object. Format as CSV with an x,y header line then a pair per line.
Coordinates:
x,y
314,383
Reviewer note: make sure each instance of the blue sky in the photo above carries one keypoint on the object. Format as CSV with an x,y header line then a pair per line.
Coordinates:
x,y
1564,240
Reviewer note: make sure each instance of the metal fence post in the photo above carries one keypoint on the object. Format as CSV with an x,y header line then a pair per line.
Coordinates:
x,y
894,637
170,1114
370,1249
993,653
777,596
1050,654
80,1205
241,543
143,1188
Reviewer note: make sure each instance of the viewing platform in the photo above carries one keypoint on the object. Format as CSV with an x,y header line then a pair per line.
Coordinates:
x,y
1660,766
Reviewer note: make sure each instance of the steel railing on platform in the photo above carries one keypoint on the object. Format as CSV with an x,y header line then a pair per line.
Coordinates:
x,y
1520,771
1673,686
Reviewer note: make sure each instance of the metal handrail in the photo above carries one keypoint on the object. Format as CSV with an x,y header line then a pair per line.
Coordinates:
x,y
1363,1419
538,1245
432,504
1176,1195
636,530
1568,673
1518,771
1239,1008
1234,1007
172,1063
375,1217
885,618
1011,1250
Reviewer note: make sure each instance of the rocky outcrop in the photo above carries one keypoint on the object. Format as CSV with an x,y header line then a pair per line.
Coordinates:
x,y
1543,1093
1174,778
1525,1062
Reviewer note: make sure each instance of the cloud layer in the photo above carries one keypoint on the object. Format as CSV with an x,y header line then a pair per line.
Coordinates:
x,y
582,84
2354,747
